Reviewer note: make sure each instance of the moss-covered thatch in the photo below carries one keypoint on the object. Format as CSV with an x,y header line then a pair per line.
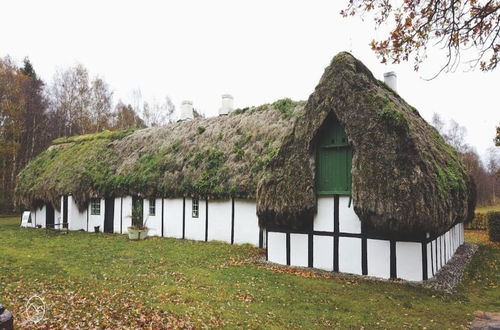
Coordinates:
x,y
214,158
405,178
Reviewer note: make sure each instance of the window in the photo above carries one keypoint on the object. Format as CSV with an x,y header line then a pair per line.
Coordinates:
x,y
95,206
152,206
196,207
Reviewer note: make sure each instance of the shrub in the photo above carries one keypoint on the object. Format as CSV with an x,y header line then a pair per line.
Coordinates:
x,y
494,226
479,222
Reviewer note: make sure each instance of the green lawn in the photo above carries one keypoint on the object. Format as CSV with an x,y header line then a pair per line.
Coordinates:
x,y
485,209
95,280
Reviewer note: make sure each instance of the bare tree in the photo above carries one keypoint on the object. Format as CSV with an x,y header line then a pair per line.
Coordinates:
x,y
153,113
79,105
101,103
126,117
486,177
70,96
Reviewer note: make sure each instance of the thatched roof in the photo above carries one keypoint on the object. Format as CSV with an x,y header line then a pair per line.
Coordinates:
x,y
406,179
210,158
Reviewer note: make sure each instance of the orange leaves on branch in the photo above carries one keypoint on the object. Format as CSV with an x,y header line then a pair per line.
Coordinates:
x,y
458,26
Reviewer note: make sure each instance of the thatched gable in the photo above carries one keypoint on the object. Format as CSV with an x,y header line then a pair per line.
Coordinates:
x,y
211,158
406,179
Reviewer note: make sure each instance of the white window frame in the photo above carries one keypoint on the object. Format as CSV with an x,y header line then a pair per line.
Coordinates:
x,y
152,206
195,208
95,206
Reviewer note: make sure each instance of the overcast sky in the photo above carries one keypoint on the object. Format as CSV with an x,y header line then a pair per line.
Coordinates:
x,y
258,51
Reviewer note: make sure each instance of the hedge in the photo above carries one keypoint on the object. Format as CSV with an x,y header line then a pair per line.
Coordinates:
x,y
480,222
494,226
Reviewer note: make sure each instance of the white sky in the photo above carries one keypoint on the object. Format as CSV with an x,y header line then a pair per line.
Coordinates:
x,y
258,51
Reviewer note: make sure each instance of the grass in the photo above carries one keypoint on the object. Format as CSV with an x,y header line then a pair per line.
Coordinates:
x,y
96,280
486,209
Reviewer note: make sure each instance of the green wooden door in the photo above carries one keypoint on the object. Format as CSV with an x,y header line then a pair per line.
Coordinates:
x,y
334,160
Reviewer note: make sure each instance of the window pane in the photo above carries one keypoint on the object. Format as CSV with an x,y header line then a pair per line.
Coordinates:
x,y
152,206
195,207
95,206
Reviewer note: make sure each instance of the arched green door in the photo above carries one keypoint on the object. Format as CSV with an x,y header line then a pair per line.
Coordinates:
x,y
333,161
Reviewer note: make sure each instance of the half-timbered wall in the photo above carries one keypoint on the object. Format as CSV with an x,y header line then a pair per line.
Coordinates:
x,y
337,242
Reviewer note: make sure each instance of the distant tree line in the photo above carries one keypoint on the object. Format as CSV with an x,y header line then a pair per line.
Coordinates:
x,y
33,113
486,175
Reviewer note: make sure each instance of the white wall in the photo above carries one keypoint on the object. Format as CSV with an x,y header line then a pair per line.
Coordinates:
x,y
117,216
57,217
350,255
323,220
96,220
76,220
153,221
246,222
429,262
378,255
126,214
322,252
348,220
276,251
172,218
409,261
219,220
299,248
195,227
39,218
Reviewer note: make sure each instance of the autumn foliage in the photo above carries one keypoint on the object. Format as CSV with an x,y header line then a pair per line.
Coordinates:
x,y
454,25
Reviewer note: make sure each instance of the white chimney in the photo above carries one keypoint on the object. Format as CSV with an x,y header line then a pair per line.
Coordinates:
x,y
186,110
391,80
227,105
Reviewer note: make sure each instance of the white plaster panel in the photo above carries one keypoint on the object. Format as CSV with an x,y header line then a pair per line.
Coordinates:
x,y
446,238
173,217
429,260
409,261
246,222
348,220
277,248
323,252
379,258
434,259
60,212
350,255
57,217
40,216
299,247
153,222
117,216
76,220
96,220
126,215
448,245
219,220
323,220
195,227
462,233
453,239
441,252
